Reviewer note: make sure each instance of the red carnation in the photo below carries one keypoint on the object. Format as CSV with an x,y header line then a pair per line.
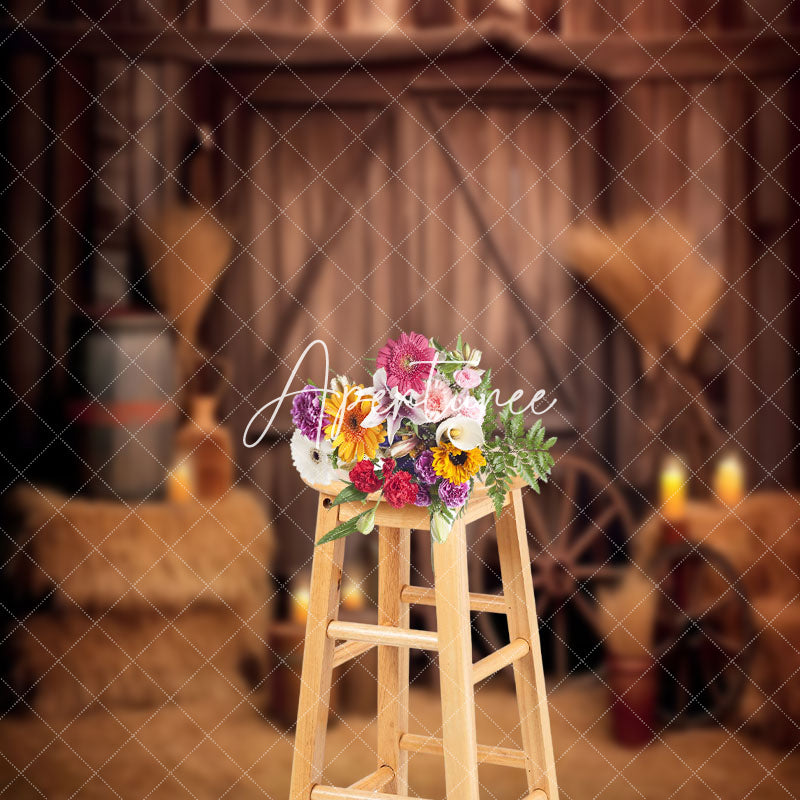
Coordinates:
x,y
364,478
399,490
388,466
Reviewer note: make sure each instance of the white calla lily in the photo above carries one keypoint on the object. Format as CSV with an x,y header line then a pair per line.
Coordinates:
x,y
440,528
463,432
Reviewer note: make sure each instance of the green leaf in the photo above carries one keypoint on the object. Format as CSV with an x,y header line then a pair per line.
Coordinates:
x,y
348,495
528,476
489,422
343,529
484,388
550,442
498,496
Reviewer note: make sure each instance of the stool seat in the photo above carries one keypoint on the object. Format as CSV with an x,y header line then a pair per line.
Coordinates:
x,y
479,506
331,642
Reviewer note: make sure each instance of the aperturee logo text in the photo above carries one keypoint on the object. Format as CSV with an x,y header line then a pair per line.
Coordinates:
x,y
427,429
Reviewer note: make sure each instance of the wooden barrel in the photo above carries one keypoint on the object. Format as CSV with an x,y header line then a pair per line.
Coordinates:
x,y
122,409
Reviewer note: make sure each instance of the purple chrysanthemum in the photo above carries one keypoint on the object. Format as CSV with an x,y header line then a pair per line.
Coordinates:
x,y
453,495
307,410
423,497
423,466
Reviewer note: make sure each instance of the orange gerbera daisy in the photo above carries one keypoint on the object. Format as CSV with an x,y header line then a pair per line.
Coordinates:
x,y
347,410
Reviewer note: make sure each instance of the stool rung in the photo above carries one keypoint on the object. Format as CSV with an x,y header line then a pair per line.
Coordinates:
x,y
375,781
419,595
537,794
487,754
333,793
349,650
383,635
512,652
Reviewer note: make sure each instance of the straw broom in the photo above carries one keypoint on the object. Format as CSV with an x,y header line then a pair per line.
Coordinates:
x,y
187,249
626,619
626,615
650,276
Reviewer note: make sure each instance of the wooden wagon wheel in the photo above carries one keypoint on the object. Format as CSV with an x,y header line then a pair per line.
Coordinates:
x,y
577,530
703,628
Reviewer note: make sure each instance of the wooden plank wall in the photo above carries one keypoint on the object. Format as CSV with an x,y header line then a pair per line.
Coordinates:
x,y
713,153
25,279
345,214
365,196
579,19
774,215
357,227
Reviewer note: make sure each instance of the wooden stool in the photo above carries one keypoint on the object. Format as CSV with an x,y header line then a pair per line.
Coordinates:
x,y
458,673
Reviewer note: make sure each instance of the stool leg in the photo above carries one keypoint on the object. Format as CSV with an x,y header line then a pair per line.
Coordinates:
x,y
455,666
315,686
515,568
394,572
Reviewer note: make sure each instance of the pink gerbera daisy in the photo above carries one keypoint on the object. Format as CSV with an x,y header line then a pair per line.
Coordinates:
x,y
408,362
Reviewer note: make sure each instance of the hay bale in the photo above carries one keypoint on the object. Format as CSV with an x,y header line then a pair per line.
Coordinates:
x,y
68,661
715,527
720,532
760,539
771,704
93,552
774,519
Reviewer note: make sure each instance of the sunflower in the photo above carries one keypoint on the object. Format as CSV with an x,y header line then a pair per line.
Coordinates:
x,y
347,410
456,466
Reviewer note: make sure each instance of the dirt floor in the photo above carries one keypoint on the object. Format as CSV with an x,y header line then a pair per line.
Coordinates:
x,y
194,753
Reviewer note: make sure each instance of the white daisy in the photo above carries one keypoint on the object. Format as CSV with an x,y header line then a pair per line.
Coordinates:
x,y
312,462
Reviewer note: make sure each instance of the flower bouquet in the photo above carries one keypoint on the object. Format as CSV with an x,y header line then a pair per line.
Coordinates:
x,y
423,434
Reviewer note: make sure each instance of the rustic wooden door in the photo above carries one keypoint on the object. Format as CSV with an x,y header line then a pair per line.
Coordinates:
x,y
433,214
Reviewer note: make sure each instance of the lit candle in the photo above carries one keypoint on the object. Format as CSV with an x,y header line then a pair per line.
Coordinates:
x,y
352,596
180,482
300,598
672,489
728,483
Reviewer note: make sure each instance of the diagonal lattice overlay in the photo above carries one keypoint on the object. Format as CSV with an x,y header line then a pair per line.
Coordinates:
x,y
294,183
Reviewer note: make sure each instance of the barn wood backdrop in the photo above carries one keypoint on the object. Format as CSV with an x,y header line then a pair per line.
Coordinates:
x,y
419,177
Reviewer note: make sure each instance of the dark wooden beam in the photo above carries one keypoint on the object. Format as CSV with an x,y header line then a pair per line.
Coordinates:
x,y
697,54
